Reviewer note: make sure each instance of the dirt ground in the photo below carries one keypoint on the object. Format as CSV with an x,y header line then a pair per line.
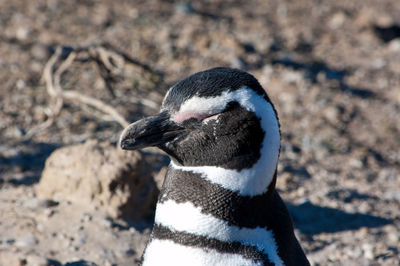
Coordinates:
x,y
332,68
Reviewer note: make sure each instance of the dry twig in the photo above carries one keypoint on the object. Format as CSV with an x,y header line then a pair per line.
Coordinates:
x,y
110,61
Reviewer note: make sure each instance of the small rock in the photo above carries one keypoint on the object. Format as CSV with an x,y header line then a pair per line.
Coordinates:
x,y
393,235
354,252
292,77
378,63
67,243
86,217
49,212
40,51
368,251
394,45
355,163
33,260
337,20
364,231
331,113
267,72
14,132
185,8
237,63
9,241
80,263
62,236
106,221
20,84
36,203
29,240
81,239
74,248
23,33
40,227
129,252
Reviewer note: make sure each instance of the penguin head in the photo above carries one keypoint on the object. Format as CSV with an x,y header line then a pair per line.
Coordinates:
x,y
219,117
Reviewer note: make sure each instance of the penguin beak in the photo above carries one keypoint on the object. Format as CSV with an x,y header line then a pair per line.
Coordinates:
x,y
150,131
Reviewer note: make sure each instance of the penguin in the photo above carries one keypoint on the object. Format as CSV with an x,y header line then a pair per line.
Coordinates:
x,y
218,204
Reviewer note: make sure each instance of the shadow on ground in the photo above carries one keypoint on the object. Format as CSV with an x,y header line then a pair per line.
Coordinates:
x,y
312,70
26,165
311,219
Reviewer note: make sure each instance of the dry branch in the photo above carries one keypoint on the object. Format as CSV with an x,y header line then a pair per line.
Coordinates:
x,y
109,60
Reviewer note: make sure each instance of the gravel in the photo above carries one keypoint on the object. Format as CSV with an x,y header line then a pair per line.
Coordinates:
x,y
332,69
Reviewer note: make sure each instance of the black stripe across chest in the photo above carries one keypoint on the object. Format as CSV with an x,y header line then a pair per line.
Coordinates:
x,y
243,211
191,240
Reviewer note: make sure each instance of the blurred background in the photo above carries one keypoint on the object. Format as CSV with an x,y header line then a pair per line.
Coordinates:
x,y
70,70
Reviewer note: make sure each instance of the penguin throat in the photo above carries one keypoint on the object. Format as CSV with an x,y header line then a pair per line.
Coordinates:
x,y
247,182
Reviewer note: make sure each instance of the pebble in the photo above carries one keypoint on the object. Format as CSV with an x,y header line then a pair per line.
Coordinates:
x,y
106,221
86,217
354,253
37,204
392,196
14,132
364,231
368,251
81,239
355,163
40,51
62,236
185,8
237,63
132,230
129,252
331,113
23,33
34,260
40,227
337,20
49,212
394,45
292,77
27,241
67,243
74,248
267,72
80,263
393,235
20,84
364,207
9,241
378,63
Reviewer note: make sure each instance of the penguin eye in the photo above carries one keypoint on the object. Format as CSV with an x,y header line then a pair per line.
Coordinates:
x,y
210,117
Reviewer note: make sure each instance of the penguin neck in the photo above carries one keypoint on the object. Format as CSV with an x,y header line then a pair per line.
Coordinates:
x,y
248,182
191,188
191,205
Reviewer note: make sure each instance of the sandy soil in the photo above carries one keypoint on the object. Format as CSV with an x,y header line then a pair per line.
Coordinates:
x,y
332,68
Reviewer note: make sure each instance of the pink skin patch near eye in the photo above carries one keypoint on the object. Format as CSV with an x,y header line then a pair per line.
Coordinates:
x,y
181,117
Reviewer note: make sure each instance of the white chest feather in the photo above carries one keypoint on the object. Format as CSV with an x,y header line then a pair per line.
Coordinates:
x,y
166,252
185,217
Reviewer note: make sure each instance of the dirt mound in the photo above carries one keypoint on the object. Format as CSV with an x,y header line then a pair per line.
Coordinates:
x,y
100,175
